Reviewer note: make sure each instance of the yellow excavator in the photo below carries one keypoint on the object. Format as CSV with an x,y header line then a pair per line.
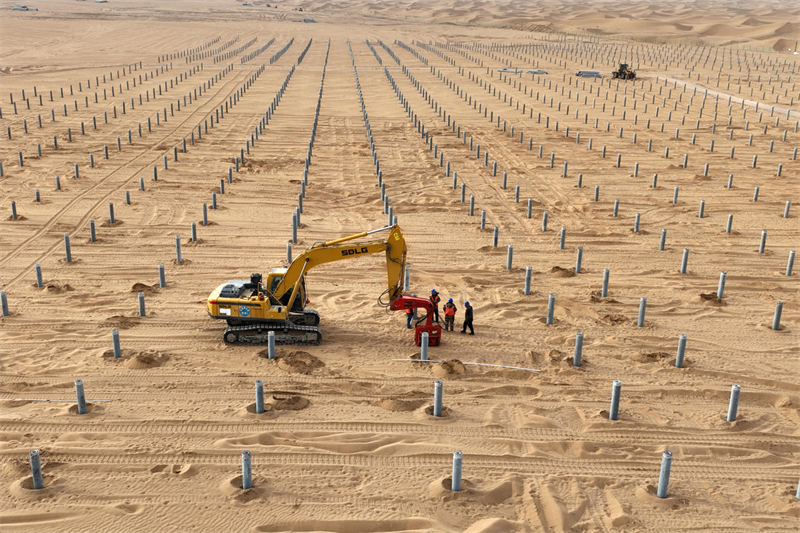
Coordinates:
x,y
254,308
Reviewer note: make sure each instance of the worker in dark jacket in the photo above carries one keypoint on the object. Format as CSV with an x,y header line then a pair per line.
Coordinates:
x,y
449,315
435,299
467,319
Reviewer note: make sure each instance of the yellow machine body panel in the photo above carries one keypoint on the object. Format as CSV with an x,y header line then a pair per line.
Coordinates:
x,y
253,303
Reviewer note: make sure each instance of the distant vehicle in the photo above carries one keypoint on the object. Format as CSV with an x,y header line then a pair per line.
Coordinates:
x,y
624,72
23,8
588,74
511,70
536,71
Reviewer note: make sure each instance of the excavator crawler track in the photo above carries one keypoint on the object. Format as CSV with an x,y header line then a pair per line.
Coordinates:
x,y
286,333
310,317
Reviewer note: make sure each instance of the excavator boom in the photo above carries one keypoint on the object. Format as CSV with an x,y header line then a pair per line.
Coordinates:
x,y
341,249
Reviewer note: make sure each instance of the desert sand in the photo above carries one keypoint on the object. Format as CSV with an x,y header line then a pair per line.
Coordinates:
x,y
347,443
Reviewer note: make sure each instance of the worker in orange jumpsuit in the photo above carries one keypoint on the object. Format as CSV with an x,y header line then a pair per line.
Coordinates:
x,y
449,315
435,299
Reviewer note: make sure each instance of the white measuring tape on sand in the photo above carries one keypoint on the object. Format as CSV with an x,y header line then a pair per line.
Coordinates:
x,y
476,364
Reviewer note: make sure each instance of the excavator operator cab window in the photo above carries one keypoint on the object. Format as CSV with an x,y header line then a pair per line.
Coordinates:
x,y
273,286
276,280
299,302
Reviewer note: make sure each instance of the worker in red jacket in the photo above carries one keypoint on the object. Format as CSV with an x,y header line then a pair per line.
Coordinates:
x,y
435,299
449,315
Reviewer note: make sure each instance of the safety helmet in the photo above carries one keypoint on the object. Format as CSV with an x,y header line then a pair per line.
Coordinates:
x,y
433,290
450,301
466,303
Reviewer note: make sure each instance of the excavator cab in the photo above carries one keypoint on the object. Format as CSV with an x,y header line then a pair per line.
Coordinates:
x,y
274,279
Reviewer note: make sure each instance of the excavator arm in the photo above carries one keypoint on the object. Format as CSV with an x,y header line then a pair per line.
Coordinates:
x,y
340,249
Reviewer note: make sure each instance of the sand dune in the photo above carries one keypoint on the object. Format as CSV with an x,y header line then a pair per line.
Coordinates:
x,y
733,24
